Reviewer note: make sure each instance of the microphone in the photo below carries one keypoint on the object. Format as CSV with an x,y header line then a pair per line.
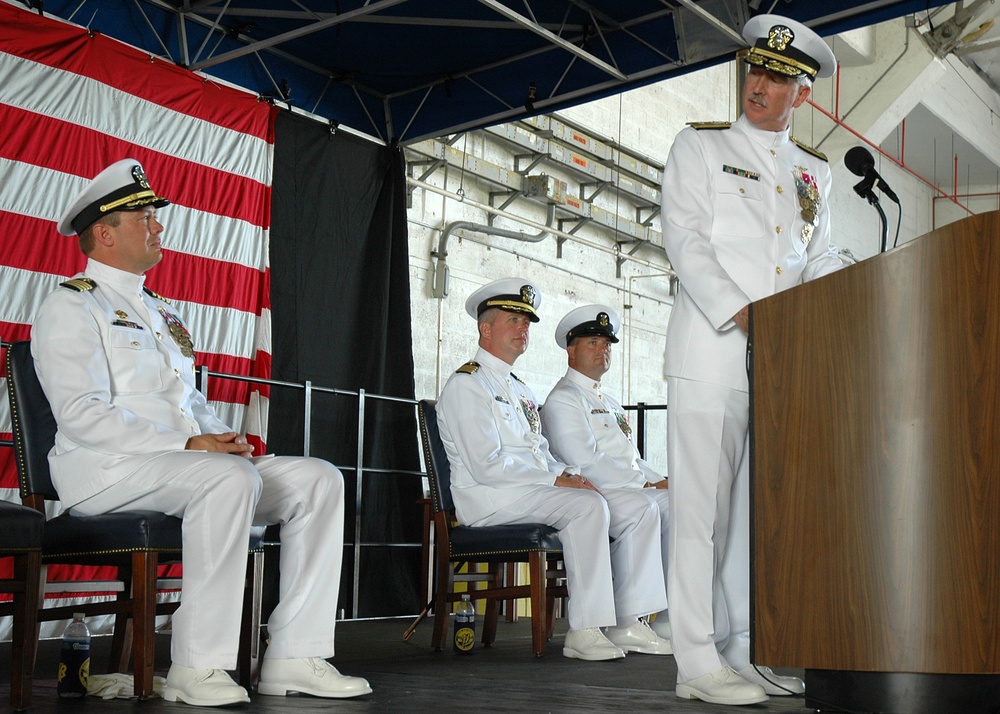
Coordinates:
x,y
859,161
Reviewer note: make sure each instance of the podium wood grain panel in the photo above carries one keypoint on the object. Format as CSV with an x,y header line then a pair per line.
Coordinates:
x,y
875,402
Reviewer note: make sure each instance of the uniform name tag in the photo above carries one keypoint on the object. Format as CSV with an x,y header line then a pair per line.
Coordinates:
x,y
500,399
742,173
599,411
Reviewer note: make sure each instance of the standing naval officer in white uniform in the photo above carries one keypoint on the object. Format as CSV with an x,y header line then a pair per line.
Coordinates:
x,y
587,426
502,472
117,365
745,215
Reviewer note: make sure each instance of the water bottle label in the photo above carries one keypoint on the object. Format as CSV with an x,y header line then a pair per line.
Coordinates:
x,y
74,669
465,638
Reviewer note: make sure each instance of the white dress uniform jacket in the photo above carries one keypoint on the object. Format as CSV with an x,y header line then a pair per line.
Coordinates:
x,y
588,427
141,396
496,457
734,231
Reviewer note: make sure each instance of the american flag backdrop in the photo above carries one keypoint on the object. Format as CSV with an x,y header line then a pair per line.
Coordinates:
x,y
72,102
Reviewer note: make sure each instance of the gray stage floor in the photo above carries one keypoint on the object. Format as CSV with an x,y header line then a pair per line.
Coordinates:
x,y
410,677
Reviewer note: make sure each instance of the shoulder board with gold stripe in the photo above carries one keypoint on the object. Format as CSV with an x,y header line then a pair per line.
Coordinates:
x,y
81,285
809,150
468,368
699,125
155,295
517,378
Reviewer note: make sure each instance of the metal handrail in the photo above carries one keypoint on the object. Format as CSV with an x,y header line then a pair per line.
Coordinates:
x,y
640,422
309,389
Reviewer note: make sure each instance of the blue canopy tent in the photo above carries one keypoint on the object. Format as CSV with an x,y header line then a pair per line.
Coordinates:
x,y
407,70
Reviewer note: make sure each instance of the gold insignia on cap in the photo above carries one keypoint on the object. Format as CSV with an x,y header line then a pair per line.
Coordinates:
x,y
140,176
602,319
780,37
776,63
528,295
129,201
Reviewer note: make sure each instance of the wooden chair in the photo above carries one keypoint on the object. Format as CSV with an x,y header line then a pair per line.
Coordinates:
x,y
135,542
533,543
21,537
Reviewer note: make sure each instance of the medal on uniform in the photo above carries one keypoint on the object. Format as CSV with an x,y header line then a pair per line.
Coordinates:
x,y
179,333
623,425
531,414
807,190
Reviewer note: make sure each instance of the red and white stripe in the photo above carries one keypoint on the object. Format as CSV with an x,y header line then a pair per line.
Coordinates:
x,y
70,104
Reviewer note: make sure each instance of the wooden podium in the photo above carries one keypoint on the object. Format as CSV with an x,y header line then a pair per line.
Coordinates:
x,y
875,478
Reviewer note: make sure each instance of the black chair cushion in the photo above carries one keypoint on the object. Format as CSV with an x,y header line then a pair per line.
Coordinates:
x,y
21,528
80,538
123,533
502,543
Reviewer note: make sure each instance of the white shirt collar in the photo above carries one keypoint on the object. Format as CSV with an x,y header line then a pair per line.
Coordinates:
x,y
104,274
487,359
583,380
767,139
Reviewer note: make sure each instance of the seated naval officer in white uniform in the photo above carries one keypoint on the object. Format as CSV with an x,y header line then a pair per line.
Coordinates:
x,y
503,472
117,365
588,427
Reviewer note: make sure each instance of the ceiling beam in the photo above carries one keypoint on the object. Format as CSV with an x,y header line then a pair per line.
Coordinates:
x,y
554,39
299,32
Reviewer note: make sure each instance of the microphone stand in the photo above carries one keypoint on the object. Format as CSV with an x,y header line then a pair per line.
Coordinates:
x,y
866,189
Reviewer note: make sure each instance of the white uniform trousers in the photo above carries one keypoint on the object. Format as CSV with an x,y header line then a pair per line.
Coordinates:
x,y
662,499
218,496
585,520
709,519
736,569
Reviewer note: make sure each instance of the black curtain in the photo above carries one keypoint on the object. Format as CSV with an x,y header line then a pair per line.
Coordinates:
x,y
341,318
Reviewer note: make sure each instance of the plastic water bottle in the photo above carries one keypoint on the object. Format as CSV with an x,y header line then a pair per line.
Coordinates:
x,y
465,626
74,662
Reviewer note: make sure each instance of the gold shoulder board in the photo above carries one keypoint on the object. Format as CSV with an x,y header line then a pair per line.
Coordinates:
x,y
517,378
155,295
81,285
699,125
810,150
468,368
